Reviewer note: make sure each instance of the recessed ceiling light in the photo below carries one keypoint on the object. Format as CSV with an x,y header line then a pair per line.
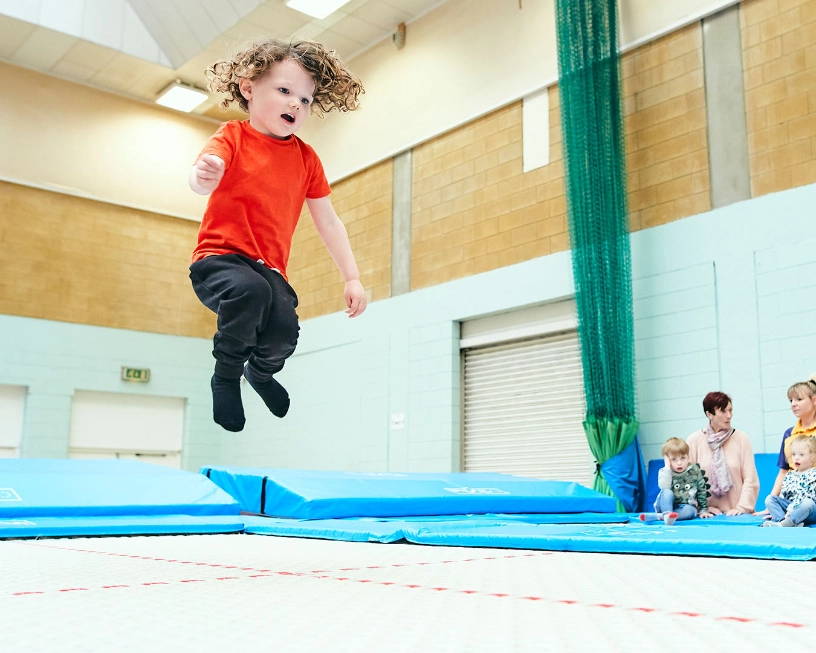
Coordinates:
x,y
181,97
316,8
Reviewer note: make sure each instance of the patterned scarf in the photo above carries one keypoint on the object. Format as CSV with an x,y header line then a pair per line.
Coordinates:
x,y
719,474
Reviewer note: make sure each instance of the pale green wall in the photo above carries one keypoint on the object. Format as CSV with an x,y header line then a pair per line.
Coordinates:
x,y
53,359
721,301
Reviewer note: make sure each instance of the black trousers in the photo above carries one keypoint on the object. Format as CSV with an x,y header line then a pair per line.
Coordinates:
x,y
256,306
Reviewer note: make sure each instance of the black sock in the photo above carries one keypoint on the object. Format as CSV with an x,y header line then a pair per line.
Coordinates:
x,y
228,409
273,393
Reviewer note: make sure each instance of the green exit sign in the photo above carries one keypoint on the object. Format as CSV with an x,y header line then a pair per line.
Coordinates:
x,y
135,374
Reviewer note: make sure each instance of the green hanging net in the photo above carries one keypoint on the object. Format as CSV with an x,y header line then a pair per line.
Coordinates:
x,y
595,172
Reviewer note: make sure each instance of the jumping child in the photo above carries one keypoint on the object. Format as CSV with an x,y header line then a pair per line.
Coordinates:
x,y
258,175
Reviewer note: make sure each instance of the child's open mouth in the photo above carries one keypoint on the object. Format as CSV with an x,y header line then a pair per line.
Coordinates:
x,y
288,117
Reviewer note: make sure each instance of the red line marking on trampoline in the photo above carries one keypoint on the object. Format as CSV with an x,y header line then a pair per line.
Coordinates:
x,y
210,564
267,573
569,602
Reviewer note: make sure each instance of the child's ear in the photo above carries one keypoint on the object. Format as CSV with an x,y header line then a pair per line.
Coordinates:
x,y
245,86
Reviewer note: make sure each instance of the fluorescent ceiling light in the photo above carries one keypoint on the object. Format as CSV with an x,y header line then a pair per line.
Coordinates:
x,y
316,8
181,97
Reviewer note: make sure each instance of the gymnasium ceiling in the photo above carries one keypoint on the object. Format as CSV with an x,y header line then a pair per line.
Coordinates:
x,y
136,48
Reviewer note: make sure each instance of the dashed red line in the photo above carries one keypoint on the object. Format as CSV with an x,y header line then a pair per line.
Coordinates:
x,y
326,574
470,592
316,571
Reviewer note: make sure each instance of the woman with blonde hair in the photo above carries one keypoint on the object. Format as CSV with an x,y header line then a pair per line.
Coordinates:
x,y
725,454
802,397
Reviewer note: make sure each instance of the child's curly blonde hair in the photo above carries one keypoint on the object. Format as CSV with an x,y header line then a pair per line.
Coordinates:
x,y
800,438
336,87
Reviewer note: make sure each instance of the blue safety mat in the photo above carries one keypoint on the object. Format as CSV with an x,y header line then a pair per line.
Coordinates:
x,y
716,538
717,541
32,489
31,527
719,520
79,488
713,541
369,529
304,494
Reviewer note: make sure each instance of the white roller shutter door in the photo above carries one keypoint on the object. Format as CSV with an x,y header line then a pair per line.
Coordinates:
x,y
524,407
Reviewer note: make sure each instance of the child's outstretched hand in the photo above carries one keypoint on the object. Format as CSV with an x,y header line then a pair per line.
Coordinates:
x,y
355,297
705,515
206,174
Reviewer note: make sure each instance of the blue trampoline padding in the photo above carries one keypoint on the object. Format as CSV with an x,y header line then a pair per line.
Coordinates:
x,y
719,520
535,518
367,529
393,530
31,487
346,530
119,525
305,494
716,541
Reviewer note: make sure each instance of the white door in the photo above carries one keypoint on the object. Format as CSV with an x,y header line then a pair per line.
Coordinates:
x,y
129,426
12,405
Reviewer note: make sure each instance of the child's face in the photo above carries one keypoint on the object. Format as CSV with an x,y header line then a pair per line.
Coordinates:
x,y
679,462
279,101
801,458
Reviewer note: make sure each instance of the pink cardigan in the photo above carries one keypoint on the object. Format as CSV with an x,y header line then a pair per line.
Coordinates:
x,y
740,459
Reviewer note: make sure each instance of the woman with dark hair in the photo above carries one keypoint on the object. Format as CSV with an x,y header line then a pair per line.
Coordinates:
x,y
726,456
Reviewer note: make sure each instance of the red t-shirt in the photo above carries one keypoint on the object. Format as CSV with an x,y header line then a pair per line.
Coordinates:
x,y
256,207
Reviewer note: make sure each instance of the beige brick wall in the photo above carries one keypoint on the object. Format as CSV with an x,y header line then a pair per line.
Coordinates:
x,y
364,204
666,142
76,260
473,208
779,57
